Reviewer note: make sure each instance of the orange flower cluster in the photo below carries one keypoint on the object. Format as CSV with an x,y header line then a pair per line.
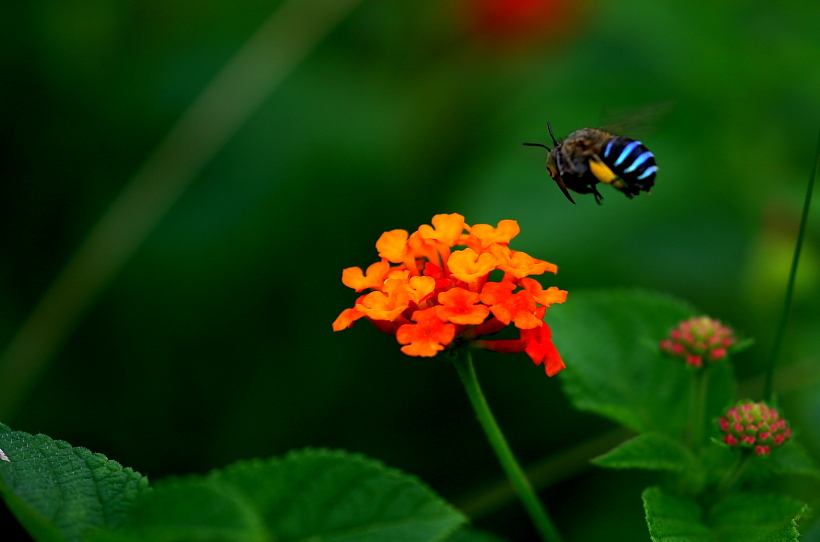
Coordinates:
x,y
432,297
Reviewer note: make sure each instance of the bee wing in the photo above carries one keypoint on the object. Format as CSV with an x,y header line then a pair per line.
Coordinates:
x,y
563,188
634,122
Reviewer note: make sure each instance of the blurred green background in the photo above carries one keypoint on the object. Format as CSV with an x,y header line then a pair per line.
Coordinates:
x,y
213,343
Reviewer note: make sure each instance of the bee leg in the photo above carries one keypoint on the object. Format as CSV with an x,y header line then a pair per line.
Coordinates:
x,y
598,196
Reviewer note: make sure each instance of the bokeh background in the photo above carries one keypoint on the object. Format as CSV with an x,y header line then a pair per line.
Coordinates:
x,y
213,342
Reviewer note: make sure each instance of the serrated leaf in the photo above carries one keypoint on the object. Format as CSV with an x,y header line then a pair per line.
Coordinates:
x,y
672,518
739,517
651,451
750,517
609,339
330,495
59,492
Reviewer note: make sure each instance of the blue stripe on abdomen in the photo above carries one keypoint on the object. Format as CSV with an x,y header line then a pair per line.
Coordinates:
x,y
624,153
638,161
608,147
649,171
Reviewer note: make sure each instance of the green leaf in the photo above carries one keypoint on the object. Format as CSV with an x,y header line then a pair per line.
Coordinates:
x,y
609,341
330,495
59,492
790,458
750,517
739,517
651,451
671,518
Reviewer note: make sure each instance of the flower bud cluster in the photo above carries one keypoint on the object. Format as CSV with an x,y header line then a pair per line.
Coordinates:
x,y
698,339
754,425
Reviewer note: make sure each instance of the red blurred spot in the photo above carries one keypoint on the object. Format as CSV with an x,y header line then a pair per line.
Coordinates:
x,y
515,20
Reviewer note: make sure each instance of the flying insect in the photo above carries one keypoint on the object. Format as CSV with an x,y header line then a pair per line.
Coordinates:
x,y
590,156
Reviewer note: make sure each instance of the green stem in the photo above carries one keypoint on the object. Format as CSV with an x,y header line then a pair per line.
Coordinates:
x,y
502,450
733,474
778,338
698,394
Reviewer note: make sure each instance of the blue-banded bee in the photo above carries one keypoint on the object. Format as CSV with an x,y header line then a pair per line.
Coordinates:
x,y
590,156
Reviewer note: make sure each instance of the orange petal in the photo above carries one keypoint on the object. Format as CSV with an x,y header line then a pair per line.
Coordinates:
x,y
485,235
521,264
427,337
518,308
544,297
446,229
352,277
392,245
346,319
386,305
541,349
419,247
420,288
468,266
494,293
459,306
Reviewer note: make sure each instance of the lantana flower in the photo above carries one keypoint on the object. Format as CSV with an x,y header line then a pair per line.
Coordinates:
x,y
698,339
432,290
754,425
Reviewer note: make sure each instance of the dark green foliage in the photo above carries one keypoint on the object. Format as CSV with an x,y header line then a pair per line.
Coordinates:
x,y
321,494
740,517
60,492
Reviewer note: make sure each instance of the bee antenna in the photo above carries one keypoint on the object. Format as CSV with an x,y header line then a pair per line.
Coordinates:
x,y
538,145
549,127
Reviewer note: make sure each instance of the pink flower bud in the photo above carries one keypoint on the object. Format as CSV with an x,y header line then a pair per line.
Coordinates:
x,y
717,354
694,361
698,339
724,424
753,425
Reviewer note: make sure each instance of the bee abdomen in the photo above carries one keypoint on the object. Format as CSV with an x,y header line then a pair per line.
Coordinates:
x,y
632,162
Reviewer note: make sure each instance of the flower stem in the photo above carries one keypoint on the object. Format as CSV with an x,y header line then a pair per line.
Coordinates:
x,y
733,474
698,394
769,385
519,481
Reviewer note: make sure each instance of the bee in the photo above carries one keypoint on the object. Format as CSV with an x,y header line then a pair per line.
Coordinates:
x,y
590,156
